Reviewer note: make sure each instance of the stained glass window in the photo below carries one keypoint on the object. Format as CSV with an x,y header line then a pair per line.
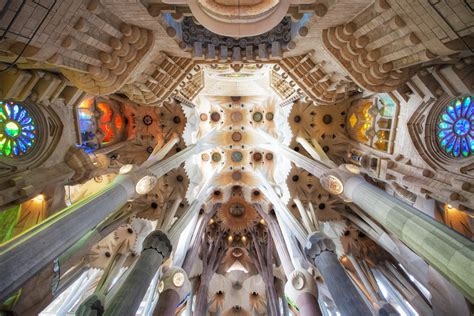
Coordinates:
x,y
387,105
18,131
455,129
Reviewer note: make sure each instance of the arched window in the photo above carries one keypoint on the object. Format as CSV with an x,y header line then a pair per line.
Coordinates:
x,y
18,130
100,123
455,128
373,121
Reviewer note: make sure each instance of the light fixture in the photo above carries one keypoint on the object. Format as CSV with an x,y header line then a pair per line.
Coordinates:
x,y
230,238
178,279
146,184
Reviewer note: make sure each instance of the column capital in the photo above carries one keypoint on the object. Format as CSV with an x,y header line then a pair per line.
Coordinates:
x,y
158,241
341,181
93,305
175,279
317,243
300,282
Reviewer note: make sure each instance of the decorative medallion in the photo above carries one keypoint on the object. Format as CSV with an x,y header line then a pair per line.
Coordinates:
x,y
332,184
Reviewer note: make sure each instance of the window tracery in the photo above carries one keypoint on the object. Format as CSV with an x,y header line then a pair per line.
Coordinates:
x,y
372,122
18,130
100,124
455,128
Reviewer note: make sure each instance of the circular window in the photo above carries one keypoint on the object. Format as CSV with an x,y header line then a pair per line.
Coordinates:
x,y
455,128
18,130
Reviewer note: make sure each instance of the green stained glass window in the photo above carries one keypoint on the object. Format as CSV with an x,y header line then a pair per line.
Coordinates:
x,y
18,132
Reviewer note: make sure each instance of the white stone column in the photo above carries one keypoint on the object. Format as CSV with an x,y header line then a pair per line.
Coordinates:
x,y
24,256
56,234
443,248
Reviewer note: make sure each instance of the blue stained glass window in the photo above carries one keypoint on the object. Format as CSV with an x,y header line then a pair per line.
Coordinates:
x,y
18,132
455,128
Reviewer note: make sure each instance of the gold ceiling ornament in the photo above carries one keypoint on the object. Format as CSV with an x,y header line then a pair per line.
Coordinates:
x,y
176,183
234,254
237,215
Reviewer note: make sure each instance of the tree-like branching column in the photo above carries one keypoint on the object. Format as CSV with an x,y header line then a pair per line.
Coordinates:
x,y
261,253
156,249
212,252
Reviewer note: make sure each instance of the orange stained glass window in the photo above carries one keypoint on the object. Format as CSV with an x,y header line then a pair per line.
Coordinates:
x,y
109,134
106,112
118,122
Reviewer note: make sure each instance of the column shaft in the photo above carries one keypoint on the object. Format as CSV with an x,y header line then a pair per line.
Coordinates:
x,y
308,305
24,256
343,291
156,248
169,300
443,248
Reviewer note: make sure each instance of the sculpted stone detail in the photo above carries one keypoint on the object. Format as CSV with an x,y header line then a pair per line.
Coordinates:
x,y
114,66
160,81
204,44
300,281
175,279
158,241
316,244
323,88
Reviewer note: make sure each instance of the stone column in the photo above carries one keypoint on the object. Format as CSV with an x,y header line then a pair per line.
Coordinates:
x,y
24,256
174,289
301,290
156,248
171,293
46,241
443,248
320,250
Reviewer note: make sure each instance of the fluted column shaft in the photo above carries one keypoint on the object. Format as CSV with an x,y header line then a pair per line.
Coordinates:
x,y
443,248
156,248
320,249
343,291
24,256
